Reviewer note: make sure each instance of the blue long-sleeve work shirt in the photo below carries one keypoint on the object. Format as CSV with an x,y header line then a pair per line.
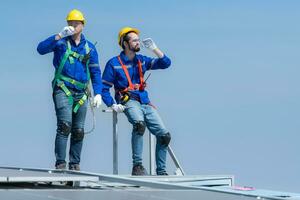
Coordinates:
x,y
114,75
77,70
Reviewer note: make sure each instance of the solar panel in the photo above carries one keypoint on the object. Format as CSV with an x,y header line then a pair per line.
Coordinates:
x,y
33,184
30,175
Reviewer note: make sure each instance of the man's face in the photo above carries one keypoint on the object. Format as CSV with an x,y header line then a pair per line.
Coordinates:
x,y
134,42
78,25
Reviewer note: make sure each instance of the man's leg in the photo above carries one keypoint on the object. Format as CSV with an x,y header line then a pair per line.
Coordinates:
x,y
63,111
163,137
77,133
136,117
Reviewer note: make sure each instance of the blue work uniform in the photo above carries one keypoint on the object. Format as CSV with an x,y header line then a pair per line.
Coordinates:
x,y
138,110
74,69
77,70
114,75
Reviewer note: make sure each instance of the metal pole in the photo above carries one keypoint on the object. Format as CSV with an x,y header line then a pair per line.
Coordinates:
x,y
179,170
115,143
151,154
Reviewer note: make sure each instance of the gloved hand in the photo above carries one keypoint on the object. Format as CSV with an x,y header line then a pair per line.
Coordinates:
x,y
118,108
149,44
66,31
97,101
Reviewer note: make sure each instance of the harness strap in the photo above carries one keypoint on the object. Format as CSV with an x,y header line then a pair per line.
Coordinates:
x,y
73,82
80,103
59,78
142,82
62,85
132,86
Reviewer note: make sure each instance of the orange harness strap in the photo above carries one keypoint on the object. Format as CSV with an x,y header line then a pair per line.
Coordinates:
x,y
140,86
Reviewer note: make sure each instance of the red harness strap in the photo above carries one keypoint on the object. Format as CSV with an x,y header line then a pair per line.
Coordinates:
x,y
132,86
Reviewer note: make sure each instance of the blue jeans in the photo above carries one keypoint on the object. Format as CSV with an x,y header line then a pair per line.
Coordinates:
x,y
68,123
136,112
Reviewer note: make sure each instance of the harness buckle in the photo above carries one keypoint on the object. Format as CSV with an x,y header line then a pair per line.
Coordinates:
x,y
136,86
73,81
125,97
81,102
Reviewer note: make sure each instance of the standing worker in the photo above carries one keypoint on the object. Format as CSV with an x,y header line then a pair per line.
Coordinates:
x,y
126,73
76,63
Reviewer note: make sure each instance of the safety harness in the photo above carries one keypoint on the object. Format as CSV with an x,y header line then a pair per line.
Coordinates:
x,y
131,87
124,94
59,78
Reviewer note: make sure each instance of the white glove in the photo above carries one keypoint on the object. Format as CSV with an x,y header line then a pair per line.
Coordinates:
x,y
97,101
66,31
149,44
118,108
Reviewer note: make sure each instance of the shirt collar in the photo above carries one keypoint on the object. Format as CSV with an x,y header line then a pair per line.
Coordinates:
x,y
82,40
125,59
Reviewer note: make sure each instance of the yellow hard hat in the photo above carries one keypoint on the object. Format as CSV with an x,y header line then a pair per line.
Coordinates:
x,y
75,15
124,31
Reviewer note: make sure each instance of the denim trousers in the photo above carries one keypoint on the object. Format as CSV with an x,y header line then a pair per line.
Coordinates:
x,y
135,112
68,123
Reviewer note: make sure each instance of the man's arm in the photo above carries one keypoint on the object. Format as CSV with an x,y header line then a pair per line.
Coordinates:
x,y
162,62
158,53
108,79
49,44
95,71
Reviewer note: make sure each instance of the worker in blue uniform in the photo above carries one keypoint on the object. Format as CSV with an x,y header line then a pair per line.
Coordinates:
x,y
126,73
76,63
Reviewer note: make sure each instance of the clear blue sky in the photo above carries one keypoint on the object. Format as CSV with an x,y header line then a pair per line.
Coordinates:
x,y
231,98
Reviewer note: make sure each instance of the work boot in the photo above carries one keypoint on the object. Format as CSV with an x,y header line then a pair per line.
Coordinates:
x,y
162,174
61,166
138,170
74,167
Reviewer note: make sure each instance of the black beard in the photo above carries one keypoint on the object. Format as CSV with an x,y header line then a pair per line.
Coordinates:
x,y
134,49
137,49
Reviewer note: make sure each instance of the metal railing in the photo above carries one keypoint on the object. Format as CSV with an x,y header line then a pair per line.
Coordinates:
x,y
179,171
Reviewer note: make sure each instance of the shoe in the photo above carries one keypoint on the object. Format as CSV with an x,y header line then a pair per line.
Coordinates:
x,y
162,174
138,170
74,167
61,166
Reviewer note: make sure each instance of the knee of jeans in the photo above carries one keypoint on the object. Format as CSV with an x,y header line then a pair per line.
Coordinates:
x,y
64,127
139,127
77,134
164,139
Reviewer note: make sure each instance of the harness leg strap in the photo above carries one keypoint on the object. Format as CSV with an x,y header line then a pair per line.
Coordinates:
x,y
80,103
